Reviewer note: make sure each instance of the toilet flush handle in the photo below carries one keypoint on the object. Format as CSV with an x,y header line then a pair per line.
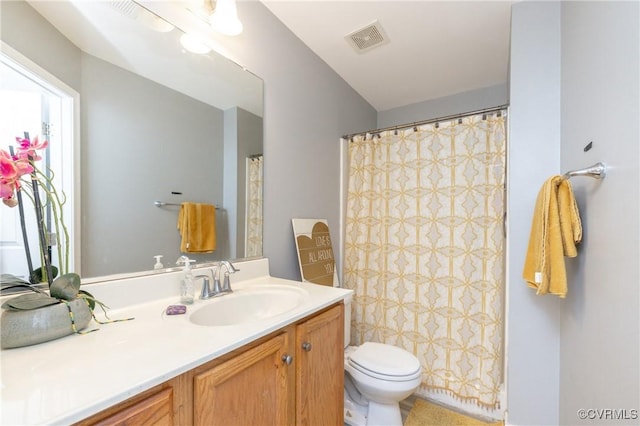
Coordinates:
x,y
306,346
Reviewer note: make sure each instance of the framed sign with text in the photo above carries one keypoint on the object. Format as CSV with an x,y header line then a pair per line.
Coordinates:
x,y
315,253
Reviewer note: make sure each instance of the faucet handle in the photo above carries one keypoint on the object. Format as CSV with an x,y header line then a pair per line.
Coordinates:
x,y
230,269
206,289
215,272
226,285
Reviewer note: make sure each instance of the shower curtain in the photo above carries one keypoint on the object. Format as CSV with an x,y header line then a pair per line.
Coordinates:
x,y
424,250
253,246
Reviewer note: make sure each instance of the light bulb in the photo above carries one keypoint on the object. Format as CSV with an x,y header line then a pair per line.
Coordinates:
x,y
225,18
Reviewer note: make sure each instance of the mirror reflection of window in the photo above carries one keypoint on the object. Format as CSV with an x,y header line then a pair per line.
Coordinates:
x,y
32,104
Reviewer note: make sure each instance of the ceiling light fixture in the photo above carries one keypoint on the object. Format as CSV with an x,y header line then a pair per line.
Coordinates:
x,y
225,18
194,44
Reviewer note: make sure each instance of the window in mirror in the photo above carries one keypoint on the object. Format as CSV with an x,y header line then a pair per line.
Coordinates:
x,y
34,104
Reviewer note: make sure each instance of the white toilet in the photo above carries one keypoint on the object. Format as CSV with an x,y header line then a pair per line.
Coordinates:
x,y
377,377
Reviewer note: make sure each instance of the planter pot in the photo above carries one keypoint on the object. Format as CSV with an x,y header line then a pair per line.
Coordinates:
x,y
24,328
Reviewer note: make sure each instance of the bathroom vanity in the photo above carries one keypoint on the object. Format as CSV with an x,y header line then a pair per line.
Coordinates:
x,y
267,366
272,381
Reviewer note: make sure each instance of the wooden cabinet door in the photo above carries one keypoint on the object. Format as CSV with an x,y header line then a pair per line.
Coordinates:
x,y
320,369
251,388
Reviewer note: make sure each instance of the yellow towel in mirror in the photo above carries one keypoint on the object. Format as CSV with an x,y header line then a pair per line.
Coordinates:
x,y
197,226
555,231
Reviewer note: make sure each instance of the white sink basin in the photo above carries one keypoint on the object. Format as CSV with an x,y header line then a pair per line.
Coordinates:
x,y
249,305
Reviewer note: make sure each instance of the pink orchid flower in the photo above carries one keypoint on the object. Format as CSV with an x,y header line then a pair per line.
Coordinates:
x,y
9,176
27,148
11,168
8,188
8,168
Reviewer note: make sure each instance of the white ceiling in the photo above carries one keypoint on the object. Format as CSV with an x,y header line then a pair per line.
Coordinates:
x,y
120,32
435,48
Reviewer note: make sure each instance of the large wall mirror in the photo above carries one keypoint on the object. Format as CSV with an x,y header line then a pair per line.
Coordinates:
x,y
157,124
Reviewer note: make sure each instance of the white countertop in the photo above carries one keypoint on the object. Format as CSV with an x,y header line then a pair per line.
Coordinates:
x,y
69,379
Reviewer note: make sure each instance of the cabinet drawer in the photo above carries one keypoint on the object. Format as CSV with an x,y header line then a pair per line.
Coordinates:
x,y
156,410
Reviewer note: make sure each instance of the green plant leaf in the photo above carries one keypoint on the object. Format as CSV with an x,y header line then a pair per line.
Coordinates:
x,y
29,301
4,288
65,286
89,298
10,279
38,274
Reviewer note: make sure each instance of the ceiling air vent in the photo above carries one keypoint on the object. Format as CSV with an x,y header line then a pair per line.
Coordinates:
x,y
367,38
127,7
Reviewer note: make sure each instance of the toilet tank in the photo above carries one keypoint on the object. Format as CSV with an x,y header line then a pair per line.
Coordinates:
x,y
347,320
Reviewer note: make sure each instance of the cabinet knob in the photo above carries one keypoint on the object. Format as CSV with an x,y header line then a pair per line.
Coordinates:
x,y
306,346
287,359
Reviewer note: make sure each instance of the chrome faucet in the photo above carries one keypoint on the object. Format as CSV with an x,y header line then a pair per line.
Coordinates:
x,y
217,290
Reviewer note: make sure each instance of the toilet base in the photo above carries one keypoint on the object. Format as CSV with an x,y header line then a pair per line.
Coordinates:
x,y
354,414
374,413
384,414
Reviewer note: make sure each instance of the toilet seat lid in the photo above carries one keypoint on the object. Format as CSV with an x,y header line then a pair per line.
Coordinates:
x,y
385,361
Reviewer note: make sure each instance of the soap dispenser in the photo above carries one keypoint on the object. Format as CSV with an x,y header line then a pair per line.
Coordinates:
x,y
158,264
187,291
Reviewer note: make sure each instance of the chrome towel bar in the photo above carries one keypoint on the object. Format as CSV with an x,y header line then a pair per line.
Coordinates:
x,y
162,204
597,171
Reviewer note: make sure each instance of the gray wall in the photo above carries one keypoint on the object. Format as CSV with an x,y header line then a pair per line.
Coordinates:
x,y
533,322
250,142
574,79
29,39
307,108
600,327
141,141
472,100
243,137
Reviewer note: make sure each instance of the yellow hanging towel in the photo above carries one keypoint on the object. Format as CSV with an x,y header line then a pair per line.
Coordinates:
x,y
555,231
197,226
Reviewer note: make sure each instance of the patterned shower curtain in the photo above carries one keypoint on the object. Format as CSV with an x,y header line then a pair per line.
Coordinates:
x,y
253,246
424,250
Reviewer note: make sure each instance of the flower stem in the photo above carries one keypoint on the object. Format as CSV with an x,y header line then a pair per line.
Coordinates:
x,y
57,202
24,230
44,246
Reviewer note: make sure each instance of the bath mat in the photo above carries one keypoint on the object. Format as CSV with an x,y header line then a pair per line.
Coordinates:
x,y
424,413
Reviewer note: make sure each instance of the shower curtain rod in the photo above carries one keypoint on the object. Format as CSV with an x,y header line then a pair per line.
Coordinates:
x,y
429,121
